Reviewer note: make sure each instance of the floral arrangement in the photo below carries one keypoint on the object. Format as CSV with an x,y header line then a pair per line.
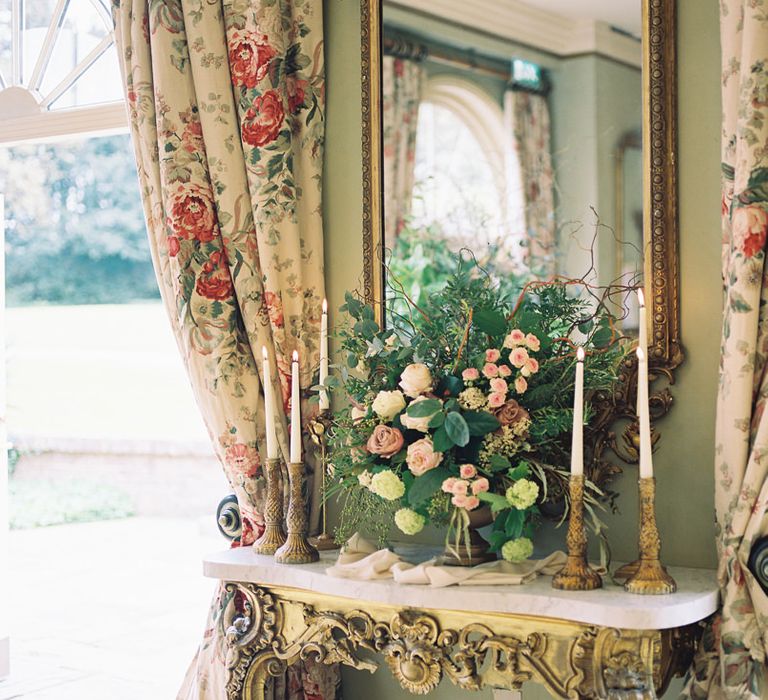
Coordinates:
x,y
464,405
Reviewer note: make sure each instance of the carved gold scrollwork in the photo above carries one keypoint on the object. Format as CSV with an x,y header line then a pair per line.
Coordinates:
x,y
266,633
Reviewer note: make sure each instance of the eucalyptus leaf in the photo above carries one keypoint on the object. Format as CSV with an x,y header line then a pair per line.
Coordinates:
x,y
440,440
481,422
425,408
426,485
489,321
497,503
457,428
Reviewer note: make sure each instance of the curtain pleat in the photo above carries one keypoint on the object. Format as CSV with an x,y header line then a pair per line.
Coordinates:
x,y
731,662
402,84
227,103
530,124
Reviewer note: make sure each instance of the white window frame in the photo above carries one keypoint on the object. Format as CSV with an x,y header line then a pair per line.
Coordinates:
x,y
28,114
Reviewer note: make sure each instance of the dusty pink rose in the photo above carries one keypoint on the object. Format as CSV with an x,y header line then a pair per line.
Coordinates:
x,y
385,441
530,367
749,225
490,370
460,487
471,502
521,385
422,457
533,343
492,355
515,337
518,357
499,385
496,399
511,413
470,374
448,484
504,370
467,471
480,485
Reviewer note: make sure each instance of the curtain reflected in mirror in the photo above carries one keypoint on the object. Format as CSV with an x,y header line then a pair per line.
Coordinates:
x,y
507,146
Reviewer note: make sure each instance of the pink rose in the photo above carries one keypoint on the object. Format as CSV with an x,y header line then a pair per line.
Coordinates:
x,y
460,487
515,337
480,485
530,367
498,385
470,374
471,502
504,370
448,484
243,459
467,471
511,412
422,457
518,357
497,399
749,225
520,385
385,441
532,342
460,501
492,355
490,370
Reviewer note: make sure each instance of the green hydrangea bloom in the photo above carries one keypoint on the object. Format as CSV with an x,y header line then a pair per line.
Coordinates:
x,y
388,485
409,521
517,550
522,494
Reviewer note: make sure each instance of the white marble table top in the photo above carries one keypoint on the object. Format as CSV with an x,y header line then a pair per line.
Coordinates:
x,y
695,599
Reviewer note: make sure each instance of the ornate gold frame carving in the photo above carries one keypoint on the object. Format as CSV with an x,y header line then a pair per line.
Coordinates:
x,y
659,221
277,627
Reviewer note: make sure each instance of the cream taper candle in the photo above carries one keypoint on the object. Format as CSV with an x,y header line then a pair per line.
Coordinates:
x,y
295,411
642,330
269,408
644,416
324,402
577,440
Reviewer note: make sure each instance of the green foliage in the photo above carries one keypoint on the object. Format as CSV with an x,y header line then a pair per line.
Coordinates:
x,y
75,230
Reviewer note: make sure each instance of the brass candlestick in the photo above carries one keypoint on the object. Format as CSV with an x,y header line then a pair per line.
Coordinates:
x,y
577,574
318,430
273,536
650,578
297,549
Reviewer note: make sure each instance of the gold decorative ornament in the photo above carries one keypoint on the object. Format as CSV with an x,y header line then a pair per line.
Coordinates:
x,y
318,431
650,577
273,536
577,574
474,650
296,549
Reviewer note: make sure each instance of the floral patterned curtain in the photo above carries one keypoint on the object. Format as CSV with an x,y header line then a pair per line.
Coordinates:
x,y
402,82
732,661
529,115
227,104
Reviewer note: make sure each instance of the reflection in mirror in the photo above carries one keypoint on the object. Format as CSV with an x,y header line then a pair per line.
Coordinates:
x,y
511,129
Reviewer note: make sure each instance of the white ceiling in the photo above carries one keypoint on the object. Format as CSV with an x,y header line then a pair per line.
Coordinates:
x,y
624,14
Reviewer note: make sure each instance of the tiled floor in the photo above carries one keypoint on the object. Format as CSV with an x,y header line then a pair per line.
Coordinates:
x,y
107,611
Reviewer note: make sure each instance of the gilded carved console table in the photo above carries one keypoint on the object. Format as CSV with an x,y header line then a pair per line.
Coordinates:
x,y
593,644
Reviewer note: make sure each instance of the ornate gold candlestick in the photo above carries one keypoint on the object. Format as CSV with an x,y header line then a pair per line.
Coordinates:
x,y
318,430
273,536
577,574
650,578
297,549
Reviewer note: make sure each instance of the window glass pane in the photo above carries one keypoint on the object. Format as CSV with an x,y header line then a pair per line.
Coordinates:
x,y
5,40
99,84
456,188
82,30
37,18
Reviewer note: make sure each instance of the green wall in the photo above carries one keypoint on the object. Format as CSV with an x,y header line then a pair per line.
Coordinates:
x,y
685,456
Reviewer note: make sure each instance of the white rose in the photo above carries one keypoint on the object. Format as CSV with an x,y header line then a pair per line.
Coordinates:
x,y
415,380
420,424
388,404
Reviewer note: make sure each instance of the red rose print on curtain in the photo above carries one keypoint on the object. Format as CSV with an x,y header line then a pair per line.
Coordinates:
x,y
249,58
263,120
192,213
215,281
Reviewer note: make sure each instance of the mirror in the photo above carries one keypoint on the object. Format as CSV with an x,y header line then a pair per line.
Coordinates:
x,y
476,169
502,123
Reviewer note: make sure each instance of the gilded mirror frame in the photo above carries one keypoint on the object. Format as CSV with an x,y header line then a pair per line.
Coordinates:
x,y
660,221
